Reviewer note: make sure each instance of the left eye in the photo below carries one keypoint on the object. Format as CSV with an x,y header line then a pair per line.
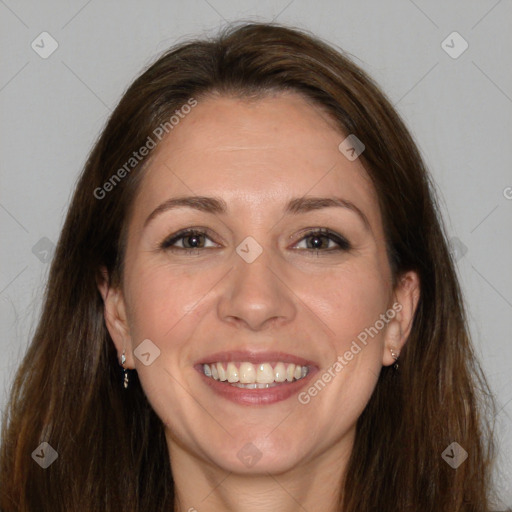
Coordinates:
x,y
318,236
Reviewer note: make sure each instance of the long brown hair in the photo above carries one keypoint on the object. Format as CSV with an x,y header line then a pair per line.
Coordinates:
x,y
111,446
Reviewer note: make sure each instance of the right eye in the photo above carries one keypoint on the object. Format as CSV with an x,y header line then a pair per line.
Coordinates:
x,y
191,239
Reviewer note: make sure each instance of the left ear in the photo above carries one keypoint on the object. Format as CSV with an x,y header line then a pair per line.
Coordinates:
x,y
406,295
115,317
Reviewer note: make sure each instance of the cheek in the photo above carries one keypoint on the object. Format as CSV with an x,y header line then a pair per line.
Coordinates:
x,y
160,298
350,300
160,302
354,304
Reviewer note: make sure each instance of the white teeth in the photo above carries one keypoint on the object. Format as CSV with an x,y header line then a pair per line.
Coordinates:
x,y
232,372
221,372
280,372
254,385
250,376
247,373
264,374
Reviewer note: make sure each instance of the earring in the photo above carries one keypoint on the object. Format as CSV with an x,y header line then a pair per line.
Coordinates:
x,y
125,371
394,355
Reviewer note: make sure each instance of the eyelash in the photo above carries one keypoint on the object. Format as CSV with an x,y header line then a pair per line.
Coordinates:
x,y
343,244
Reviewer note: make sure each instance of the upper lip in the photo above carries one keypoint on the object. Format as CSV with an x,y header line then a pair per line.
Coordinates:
x,y
255,357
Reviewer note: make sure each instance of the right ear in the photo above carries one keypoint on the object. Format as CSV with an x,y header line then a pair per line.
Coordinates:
x,y
115,317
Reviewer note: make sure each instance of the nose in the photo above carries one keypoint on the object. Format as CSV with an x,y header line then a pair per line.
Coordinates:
x,y
256,295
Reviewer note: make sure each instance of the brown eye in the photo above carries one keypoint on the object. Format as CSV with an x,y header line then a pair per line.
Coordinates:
x,y
192,240
319,240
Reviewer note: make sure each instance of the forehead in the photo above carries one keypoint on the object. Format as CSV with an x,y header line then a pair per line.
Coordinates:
x,y
255,153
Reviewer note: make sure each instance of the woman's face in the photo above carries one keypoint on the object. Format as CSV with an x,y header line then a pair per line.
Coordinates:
x,y
298,323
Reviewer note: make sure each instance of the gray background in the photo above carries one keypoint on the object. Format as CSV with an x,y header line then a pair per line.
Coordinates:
x,y
458,109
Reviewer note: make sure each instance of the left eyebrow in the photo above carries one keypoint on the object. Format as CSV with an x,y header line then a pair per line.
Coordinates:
x,y
309,203
295,206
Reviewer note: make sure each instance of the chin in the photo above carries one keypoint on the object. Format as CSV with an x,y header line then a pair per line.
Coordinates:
x,y
260,455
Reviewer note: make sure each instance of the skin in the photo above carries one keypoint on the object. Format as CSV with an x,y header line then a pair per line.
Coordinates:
x,y
256,156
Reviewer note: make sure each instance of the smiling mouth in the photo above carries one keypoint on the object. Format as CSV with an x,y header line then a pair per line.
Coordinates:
x,y
247,375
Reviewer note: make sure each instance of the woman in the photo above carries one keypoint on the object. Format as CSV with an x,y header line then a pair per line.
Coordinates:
x,y
251,305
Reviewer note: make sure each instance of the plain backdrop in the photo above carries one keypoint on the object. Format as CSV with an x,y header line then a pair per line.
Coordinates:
x,y
457,102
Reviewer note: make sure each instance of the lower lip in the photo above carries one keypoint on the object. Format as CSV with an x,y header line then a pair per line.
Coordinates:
x,y
263,396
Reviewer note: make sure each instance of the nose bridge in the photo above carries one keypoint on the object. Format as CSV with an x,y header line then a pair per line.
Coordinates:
x,y
255,291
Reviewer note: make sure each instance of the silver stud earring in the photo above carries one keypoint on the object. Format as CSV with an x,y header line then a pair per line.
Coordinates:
x,y
125,371
394,355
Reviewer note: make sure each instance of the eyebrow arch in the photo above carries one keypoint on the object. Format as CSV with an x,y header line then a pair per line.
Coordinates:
x,y
295,206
